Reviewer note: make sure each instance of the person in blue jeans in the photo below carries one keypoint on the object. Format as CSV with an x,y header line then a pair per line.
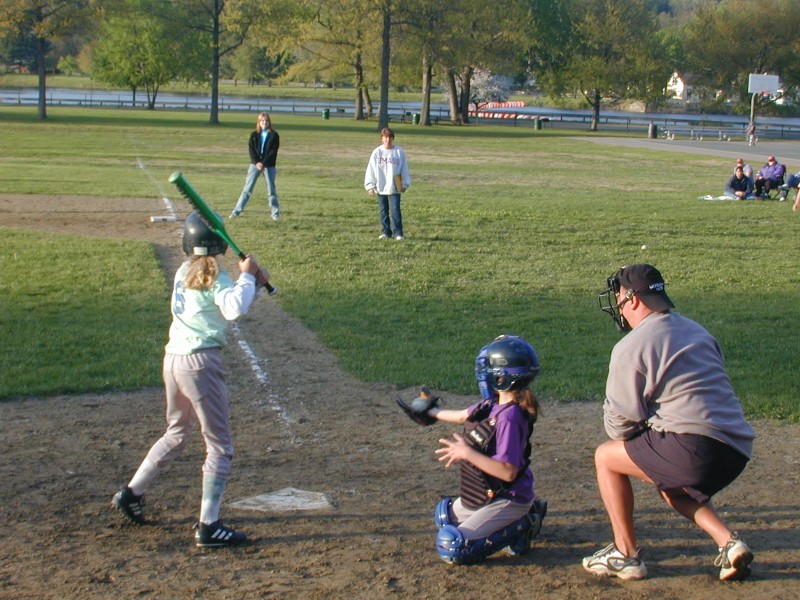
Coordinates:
x,y
263,148
387,178
792,182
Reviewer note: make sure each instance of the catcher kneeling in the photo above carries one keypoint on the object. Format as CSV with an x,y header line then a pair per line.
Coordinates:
x,y
497,509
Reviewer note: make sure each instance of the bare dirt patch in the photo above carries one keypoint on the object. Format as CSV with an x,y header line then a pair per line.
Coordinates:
x,y
312,427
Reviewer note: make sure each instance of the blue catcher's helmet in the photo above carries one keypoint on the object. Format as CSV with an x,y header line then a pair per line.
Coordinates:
x,y
509,362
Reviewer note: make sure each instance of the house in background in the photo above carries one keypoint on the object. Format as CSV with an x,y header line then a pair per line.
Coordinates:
x,y
684,90
681,87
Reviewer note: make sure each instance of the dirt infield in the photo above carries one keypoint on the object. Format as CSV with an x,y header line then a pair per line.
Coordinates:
x,y
312,427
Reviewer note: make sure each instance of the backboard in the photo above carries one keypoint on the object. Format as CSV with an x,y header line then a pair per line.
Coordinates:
x,y
763,83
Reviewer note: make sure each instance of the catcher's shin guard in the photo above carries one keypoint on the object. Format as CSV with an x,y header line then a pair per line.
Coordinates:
x,y
441,514
536,515
454,548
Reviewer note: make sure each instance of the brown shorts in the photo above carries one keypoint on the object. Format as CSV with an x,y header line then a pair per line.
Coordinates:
x,y
681,464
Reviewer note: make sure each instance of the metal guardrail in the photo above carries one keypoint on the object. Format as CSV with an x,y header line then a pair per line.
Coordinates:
x,y
397,112
669,127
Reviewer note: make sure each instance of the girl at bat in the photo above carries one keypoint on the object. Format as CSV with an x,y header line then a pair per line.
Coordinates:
x,y
497,508
204,299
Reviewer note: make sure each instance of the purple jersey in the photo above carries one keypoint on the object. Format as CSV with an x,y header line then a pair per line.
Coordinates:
x,y
511,438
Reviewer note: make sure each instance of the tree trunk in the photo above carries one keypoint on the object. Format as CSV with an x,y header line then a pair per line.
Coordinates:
x,y
152,93
367,101
358,112
595,110
452,96
466,82
427,72
383,115
41,70
213,118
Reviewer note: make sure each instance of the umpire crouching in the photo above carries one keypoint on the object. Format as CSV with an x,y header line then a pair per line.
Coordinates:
x,y
673,419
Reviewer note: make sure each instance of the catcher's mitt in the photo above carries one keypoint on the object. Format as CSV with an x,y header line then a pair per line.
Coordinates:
x,y
418,410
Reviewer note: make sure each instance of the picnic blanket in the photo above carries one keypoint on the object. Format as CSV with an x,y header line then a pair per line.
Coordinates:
x,y
710,197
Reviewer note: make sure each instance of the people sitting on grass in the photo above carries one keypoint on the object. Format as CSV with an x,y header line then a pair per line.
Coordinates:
x,y
792,182
748,169
739,186
769,177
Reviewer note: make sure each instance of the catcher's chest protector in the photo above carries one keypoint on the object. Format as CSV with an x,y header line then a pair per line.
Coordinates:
x,y
476,487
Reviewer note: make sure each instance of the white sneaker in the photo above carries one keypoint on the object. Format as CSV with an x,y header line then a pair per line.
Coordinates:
x,y
383,236
399,238
734,560
612,563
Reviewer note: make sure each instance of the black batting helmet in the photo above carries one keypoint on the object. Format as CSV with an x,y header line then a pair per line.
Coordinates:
x,y
199,240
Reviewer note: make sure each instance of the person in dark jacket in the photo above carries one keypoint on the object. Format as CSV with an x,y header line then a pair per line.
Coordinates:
x,y
263,147
739,186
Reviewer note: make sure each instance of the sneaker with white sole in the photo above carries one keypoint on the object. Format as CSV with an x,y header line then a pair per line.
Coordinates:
x,y
129,504
216,534
612,563
734,560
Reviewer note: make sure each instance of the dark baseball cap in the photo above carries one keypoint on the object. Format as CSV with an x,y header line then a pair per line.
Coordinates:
x,y
648,284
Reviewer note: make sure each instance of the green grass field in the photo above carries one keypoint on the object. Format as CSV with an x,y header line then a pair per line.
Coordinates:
x,y
509,230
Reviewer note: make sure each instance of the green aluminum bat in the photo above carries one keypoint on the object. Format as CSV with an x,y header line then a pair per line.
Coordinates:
x,y
212,219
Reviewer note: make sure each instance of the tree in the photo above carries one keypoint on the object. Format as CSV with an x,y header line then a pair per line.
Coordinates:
x,y
486,38
487,87
549,38
19,49
614,53
255,64
429,38
336,36
718,62
222,26
139,48
45,22
386,59
69,65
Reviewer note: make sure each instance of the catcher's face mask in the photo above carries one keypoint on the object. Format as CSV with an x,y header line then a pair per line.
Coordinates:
x,y
610,305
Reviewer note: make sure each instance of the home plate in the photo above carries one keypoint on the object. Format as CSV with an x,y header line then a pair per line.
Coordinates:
x,y
168,219
287,499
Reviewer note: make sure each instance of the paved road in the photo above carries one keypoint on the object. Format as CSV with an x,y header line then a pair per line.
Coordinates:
x,y
786,152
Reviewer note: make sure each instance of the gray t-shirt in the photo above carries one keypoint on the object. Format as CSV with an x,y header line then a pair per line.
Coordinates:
x,y
668,374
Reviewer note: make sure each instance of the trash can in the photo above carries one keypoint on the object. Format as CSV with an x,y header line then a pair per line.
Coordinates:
x,y
652,131
326,113
415,119
537,123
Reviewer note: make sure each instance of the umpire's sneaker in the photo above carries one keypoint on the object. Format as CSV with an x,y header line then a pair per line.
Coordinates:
x,y
734,560
612,563
131,505
217,534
